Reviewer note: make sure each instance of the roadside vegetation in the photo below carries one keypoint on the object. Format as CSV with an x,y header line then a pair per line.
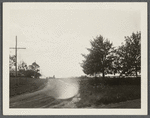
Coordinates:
x,y
21,85
103,59
27,79
96,92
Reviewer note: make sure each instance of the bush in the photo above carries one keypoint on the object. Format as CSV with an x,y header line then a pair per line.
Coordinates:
x,y
114,81
98,91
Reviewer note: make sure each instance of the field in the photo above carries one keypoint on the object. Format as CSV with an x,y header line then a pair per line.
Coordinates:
x,y
98,92
21,85
93,92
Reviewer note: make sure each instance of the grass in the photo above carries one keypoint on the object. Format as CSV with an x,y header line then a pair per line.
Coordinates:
x,y
94,92
22,85
97,92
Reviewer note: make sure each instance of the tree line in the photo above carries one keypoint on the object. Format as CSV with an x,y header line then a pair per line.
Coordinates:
x,y
32,70
104,58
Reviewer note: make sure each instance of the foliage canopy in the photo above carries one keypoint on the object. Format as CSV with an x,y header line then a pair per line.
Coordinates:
x,y
100,57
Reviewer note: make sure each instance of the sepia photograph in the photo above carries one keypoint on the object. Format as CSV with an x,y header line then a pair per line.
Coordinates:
x,y
75,58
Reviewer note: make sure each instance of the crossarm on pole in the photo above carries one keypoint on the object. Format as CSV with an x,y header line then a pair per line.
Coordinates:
x,y
17,48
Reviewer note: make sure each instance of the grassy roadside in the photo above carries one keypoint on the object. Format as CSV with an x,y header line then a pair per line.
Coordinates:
x,y
94,93
22,85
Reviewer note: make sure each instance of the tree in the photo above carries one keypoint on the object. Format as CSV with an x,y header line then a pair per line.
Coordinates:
x,y
24,70
29,73
12,61
100,58
130,54
34,68
22,67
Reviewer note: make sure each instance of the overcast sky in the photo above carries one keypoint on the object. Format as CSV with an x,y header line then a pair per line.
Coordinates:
x,y
56,37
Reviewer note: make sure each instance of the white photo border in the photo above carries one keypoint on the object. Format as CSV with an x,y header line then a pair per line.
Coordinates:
x,y
142,6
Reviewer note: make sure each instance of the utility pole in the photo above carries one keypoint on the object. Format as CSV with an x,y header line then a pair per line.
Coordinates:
x,y
16,54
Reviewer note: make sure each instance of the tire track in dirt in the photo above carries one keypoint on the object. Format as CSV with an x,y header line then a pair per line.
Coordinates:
x,y
49,97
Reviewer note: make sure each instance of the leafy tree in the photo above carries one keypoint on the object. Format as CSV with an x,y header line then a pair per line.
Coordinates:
x,y
130,55
22,67
100,58
34,66
12,61
34,69
29,73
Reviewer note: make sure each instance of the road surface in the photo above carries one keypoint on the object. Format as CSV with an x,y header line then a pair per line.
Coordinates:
x,y
56,94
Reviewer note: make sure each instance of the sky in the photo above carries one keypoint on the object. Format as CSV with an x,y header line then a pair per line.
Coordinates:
x,y
56,37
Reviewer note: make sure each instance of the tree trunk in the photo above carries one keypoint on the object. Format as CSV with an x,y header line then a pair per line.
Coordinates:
x,y
103,73
95,75
136,70
103,66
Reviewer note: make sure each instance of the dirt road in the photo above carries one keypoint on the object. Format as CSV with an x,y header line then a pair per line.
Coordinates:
x,y
57,93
